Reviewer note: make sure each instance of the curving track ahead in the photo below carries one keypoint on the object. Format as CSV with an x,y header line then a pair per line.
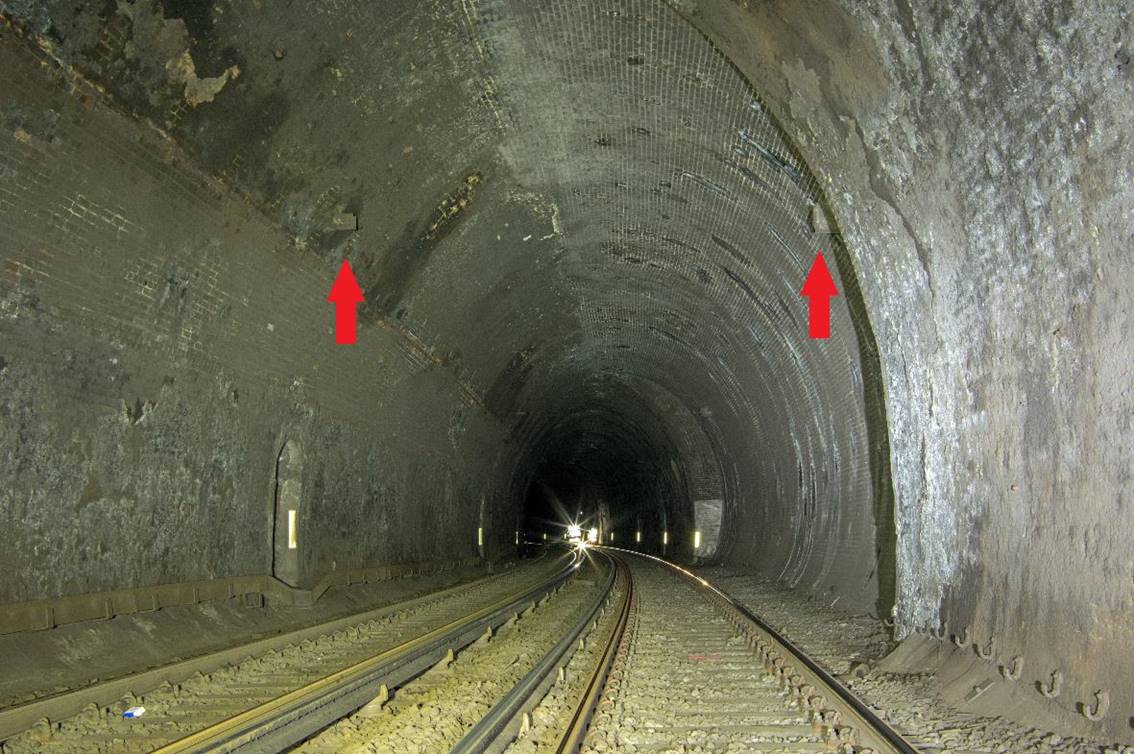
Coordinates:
x,y
694,671
603,651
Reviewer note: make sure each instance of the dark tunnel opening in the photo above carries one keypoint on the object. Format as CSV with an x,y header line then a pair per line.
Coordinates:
x,y
581,232
607,463
598,311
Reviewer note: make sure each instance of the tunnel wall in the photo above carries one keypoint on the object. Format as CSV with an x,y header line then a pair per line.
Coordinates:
x,y
551,191
545,194
977,160
160,342
686,239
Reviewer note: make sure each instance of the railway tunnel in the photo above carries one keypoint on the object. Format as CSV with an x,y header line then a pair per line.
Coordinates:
x,y
581,231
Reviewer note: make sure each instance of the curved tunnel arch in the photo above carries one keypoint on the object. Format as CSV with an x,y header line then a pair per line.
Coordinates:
x,y
679,235
602,195
556,200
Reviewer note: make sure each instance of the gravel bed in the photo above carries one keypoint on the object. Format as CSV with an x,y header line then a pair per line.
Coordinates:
x,y
691,684
175,710
433,712
554,712
40,664
848,645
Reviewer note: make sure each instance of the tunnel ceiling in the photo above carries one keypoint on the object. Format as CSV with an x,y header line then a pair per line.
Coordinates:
x,y
578,210
582,229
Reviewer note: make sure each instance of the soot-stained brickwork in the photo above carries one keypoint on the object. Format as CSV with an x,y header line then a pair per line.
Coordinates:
x,y
582,231
579,214
162,341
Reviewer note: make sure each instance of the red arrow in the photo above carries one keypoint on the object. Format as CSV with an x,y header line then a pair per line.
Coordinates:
x,y
346,296
818,288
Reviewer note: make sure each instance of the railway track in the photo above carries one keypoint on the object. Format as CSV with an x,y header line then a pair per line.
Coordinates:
x,y
266,696
696,672
483,699
606,652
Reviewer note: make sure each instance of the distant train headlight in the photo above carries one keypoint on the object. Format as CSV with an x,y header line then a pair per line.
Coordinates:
x,y
574,531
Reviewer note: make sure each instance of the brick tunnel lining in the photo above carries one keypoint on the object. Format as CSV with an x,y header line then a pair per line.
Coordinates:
x,y
645,224
669,228
572,160
690,193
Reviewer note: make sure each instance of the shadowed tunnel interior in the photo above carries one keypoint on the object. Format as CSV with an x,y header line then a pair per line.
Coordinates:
x,y
607,463
581,229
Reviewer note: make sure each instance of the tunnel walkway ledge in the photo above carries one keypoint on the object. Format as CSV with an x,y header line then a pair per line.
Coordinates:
x,y
100,657
40,615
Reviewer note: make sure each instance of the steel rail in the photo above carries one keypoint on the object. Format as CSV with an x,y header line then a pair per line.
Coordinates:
x,y
503,722
20,717
290,718
871,732
572,738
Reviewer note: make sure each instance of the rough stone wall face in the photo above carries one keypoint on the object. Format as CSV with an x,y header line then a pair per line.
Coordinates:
x,y
160,341
977,157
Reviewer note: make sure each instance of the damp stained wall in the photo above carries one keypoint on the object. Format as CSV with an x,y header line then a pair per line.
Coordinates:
x,y
977,159
610,206
161,342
